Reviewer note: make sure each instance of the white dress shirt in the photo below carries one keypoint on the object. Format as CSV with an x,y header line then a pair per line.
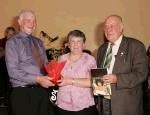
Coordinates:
x,y
115,49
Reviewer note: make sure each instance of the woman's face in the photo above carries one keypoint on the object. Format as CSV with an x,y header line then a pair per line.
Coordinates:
x,y
10,34
76,44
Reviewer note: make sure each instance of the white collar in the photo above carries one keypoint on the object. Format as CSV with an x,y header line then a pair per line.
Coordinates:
x,y
118,41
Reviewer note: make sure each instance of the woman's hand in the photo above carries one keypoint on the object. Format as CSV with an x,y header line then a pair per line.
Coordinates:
x,y
65,81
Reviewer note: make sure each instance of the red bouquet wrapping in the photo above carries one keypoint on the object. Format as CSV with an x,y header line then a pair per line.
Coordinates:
x,y
54,69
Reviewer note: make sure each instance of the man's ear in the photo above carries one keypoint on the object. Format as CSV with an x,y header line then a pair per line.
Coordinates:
x,y
19,21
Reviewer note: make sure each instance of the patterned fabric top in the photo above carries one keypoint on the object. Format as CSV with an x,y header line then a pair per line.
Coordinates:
x,y
74,98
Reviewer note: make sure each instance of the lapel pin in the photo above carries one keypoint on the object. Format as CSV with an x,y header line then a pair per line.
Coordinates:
x,y
121,54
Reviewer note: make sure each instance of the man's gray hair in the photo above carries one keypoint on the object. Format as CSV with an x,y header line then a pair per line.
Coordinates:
x,y
23,13
117,16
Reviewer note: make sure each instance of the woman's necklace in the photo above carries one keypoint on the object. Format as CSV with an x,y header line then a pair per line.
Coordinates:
x,y
74,58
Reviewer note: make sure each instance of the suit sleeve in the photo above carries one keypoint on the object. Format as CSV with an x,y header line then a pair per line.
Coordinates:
x,y
138,68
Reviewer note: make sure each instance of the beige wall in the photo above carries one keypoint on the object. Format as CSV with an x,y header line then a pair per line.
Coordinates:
x,y
58,17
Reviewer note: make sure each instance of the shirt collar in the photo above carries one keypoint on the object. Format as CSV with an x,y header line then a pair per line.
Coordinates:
x,y
24,35
118,41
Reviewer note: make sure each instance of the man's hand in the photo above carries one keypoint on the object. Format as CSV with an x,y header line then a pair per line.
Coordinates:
x,y
44,81
110,78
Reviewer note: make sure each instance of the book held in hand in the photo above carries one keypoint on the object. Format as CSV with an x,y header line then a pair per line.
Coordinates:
x,y
99,87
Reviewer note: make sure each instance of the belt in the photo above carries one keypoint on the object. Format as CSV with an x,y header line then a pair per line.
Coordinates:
x,y
31,86
107,97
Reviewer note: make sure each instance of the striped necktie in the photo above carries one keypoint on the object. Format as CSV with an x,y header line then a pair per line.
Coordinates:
x,y
108,57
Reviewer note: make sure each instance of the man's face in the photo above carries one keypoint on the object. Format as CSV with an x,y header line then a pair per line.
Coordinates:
x,y
10,34
27,23
113,29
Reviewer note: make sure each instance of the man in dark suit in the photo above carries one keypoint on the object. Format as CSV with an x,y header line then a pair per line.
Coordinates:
x,y
127,70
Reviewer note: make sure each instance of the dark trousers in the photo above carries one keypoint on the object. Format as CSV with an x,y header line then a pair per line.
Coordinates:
x,y
29,101
106,108
4,79
87,111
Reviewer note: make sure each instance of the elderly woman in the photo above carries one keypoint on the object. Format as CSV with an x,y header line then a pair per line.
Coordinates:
x,y
74,96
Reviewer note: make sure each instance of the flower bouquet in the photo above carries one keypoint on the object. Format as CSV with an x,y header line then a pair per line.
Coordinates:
x,y
54,69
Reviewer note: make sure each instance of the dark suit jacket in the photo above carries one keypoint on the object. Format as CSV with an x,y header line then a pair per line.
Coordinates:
x,y
131,68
